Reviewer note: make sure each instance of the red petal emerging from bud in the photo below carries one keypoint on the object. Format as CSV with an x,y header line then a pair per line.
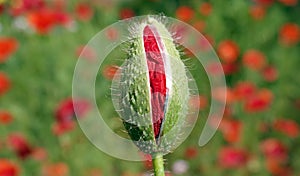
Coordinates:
x,y
156,75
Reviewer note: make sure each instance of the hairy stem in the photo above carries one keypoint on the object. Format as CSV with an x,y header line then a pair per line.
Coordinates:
x,y
158,165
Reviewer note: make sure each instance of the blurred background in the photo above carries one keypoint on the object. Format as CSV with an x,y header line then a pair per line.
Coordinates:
x,y
257,42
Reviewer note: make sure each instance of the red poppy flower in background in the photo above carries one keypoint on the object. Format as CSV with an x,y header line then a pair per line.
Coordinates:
x,y
231,130
112,34
289,2
230,157
56,169
257,12
214,120
42,20
86,52
126,13
228,51
8,168
287,126
20,145
84,11
185,13
274,149
203,44
1,8
205,8
244,90
20,7
109,71
60,128
259,102
289,34
214,69
5,83
39,154
147,160
254,59
62,18
230,68
5,117
32,4
65,110
265,94
270,73
230,96
7,47
277,168
198,102
191,152
276,154
227,112
218,94
65,113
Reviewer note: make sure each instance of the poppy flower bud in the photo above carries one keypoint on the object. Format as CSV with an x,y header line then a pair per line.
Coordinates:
x,y
151,89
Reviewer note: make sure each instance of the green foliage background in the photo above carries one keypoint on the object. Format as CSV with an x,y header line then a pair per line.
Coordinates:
x,y
41,75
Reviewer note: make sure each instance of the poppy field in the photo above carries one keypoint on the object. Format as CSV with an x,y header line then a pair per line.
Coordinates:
x,y
257,42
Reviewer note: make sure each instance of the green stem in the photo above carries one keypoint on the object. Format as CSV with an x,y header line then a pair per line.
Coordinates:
x,y
158,165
